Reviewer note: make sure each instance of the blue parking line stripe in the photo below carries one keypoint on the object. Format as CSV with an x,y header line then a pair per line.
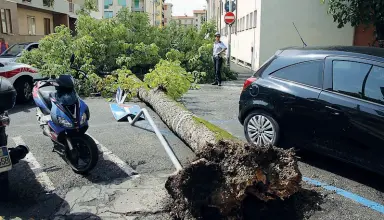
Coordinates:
x,y
363,201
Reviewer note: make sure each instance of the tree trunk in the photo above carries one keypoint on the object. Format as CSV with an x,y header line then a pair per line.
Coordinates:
x,y
225,170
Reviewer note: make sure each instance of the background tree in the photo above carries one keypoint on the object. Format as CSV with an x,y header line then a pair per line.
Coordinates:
x,y
357,12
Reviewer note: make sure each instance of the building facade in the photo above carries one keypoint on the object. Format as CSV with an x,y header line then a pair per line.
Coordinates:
x,y
200,17
167,13
185,21
110,8
264,26
31,20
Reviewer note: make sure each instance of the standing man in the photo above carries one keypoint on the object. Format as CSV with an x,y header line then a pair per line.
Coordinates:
x,y
3,45
218,52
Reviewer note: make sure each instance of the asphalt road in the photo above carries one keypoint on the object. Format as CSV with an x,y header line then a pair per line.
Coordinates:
x,y
124,148
220,106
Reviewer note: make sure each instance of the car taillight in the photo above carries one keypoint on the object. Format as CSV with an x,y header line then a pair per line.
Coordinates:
x,y
248,82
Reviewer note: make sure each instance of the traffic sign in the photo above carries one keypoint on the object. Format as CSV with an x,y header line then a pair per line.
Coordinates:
x,y
229,18
233,6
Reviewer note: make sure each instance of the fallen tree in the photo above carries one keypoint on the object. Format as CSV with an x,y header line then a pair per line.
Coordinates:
x,y
226,170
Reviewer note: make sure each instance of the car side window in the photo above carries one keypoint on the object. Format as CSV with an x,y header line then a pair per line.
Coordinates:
x,y
308,73
374,86
1,65
34,46
348,77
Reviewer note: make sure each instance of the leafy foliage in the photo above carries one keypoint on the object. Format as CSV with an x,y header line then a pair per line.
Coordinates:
x,y
358,12
170,77
128,47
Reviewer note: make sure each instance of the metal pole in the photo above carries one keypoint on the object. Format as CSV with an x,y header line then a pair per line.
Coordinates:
x,y
229,37
169,151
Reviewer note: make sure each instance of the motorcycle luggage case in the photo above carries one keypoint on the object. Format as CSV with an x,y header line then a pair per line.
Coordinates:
x,y
7,95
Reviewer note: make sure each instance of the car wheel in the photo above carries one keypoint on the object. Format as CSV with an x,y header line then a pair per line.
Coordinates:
x,y
23,87
261,129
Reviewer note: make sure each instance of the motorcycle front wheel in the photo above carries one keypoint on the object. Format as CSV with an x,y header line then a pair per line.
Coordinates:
x,y
84,155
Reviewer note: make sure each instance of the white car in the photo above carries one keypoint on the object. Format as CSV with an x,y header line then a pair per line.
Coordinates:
x,y
16,50
21,76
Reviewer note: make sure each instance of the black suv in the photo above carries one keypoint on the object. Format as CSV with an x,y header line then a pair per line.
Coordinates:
x,y
328,99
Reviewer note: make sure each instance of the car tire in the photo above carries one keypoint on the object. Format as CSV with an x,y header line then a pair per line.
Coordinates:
x,y
260,128
23,88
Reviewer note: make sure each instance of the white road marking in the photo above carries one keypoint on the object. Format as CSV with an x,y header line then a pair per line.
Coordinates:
x,y
107,154
41,176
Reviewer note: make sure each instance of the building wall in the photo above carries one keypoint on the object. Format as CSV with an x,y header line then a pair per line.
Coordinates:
x,y
200,18
245,38
111,7
39,21
274,29
60,6
314,24
14,21
167,13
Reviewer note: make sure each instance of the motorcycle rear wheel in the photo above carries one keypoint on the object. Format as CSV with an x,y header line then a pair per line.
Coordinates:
x,y
84,149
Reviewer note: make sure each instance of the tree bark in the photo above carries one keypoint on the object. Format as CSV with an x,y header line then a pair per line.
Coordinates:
x,y
225,170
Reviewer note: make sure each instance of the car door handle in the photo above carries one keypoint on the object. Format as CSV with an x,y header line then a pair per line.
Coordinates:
x,y
334,110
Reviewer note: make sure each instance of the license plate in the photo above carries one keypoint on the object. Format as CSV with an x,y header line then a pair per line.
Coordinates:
x,y
5,160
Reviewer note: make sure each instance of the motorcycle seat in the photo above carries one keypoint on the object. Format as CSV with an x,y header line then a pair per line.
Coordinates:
x,y
46,93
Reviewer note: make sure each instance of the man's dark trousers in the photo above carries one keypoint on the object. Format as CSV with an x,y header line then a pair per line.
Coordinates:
x,y
218,61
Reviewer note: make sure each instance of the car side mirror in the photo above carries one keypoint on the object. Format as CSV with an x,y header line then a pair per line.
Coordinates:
x,y
72,60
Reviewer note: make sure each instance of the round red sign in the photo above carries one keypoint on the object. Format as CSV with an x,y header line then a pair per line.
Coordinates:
x,y
229,18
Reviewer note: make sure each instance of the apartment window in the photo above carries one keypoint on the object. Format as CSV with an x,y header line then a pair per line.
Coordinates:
x,y
5,24
255,19
31,25
108,14
241,24
71,6
251,20
122,3
107,3
47,26
137,3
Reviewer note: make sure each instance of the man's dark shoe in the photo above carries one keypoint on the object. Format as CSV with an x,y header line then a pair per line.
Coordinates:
x,y
215,83
219,84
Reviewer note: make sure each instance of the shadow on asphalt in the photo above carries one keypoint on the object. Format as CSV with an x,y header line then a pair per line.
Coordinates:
x,y
343,169
107,172
28,107
27,198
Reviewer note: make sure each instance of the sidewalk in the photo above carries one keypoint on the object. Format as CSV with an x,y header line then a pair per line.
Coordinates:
x,y
243,74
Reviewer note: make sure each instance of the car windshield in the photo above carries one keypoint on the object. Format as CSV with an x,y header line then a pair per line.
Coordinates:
x,y
14,50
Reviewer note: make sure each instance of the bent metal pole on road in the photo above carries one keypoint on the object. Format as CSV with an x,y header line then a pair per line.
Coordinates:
x,y
168,149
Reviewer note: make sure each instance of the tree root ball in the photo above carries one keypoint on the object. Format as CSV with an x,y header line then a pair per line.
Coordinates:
x,y
224,174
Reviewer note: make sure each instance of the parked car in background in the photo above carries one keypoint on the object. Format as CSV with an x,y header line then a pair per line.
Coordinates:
x,y
327,99
21,76
15,51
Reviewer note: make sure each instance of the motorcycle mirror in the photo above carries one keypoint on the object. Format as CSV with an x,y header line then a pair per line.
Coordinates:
x,y
72,59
